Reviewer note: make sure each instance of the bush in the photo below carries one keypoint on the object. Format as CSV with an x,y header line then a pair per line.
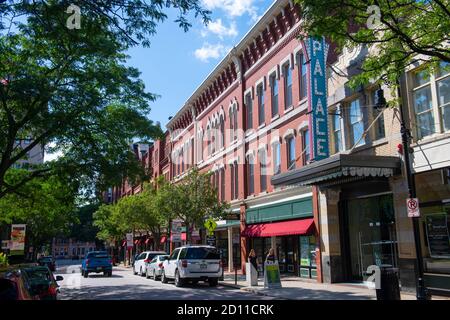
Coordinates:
x,y
3,260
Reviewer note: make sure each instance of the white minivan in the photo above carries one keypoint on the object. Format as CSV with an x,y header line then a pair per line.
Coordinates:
x,y
143,259
193,263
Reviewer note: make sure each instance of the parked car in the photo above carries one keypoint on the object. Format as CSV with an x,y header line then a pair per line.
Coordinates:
x,y
15,285
155,267
143,259
42,282
193,263
96,261
47,261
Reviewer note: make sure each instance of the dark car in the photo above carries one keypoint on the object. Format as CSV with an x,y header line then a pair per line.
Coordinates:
x,y
15,285
42,282
47,261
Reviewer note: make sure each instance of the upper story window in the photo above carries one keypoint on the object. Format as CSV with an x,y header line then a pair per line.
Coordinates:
x,y
379,124
290,147
432,115
336,122
306,152
222,184
303,82
287,75
276,156
260,94
250,175
249,110
274,94
262,155
234,180
222,132
356,122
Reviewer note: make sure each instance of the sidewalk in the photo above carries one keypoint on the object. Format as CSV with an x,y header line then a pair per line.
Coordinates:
x,y
294,288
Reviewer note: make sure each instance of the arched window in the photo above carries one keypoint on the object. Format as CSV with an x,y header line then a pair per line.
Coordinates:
x,y
250,175
262,155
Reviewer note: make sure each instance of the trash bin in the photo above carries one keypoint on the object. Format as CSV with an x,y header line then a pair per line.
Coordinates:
x,y
389,284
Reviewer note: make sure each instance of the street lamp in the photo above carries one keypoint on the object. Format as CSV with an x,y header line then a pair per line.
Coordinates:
x,y
380,101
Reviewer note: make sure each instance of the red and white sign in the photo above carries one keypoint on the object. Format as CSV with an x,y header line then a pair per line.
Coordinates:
x,y
413,207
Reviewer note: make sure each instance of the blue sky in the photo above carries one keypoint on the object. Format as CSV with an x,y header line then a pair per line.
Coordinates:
x,y
177,62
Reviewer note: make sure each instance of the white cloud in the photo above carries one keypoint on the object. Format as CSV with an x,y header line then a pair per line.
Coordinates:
x,y
234,8
218,28
211,51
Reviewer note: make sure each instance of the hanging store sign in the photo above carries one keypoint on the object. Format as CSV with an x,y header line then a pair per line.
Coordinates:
x,y
317,50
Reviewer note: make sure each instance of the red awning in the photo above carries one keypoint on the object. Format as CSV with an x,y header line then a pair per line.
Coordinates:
x,y
283,228
183,237
163,239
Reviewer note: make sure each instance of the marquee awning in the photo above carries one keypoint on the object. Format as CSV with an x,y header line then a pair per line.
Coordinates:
x,y
340,168
284,228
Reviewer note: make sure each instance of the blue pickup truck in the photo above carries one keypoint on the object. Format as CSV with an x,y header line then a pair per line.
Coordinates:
x,y
96,261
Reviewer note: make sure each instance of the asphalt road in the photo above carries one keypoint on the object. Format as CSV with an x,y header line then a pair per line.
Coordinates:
x,y
123,285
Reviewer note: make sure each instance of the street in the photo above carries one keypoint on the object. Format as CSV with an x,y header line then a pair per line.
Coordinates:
x,y
123,285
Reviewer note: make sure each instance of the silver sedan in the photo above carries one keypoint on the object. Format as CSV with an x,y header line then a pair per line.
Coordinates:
x,y
155,267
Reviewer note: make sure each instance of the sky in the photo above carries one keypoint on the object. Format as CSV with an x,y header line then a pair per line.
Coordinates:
x,y
177,62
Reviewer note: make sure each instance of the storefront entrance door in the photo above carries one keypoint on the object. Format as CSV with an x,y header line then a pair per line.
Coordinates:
x,y
371,234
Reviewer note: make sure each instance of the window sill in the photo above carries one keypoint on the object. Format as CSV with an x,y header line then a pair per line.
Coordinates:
x,y
431,138
289,109
275,117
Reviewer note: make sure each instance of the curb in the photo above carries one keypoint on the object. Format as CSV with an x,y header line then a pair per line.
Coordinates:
x,y
231,285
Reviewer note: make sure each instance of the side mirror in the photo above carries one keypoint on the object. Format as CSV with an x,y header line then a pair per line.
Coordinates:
x,y
59,278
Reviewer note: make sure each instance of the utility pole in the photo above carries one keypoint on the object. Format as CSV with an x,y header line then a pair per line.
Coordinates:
x,y
421,291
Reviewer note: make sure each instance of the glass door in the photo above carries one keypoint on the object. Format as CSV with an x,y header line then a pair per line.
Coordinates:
x,y
371,234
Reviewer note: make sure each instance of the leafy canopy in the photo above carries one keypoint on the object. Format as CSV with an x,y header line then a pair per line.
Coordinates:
x,y
399,33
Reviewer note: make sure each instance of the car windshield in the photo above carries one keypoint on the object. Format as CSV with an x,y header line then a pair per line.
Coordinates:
x,y
37,274
100,255
202,253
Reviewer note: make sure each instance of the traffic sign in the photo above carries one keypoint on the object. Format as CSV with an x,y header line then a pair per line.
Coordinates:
x,y
211,240
412,205
210,225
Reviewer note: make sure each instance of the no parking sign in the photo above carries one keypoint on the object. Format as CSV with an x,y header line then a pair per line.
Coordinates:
x,y
413,207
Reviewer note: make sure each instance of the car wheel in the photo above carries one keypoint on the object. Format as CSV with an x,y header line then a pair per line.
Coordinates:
x,y
110,274
178,281
154,275
147,275
134,271
163,278
82,273
86,274
213,282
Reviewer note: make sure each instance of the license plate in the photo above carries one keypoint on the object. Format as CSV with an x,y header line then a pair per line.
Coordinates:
x,y
203,266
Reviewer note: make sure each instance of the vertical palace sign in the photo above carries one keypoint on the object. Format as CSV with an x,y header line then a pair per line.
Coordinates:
x,y
317,50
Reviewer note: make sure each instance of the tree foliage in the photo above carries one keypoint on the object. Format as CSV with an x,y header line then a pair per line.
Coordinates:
x,y
46,205
399,33
70,89
191,200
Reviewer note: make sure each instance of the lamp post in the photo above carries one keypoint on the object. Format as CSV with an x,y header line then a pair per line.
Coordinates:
x,y
421,291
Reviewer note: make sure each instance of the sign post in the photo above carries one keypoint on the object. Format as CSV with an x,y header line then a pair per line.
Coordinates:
x,y
17,239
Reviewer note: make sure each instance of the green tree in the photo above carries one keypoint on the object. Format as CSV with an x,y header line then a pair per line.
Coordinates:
x,y
399,33
45,205
104,220
84,229
70,89
192,200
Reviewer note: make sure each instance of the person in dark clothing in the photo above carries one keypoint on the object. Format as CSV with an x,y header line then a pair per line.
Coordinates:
x,y
271,255
253,259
